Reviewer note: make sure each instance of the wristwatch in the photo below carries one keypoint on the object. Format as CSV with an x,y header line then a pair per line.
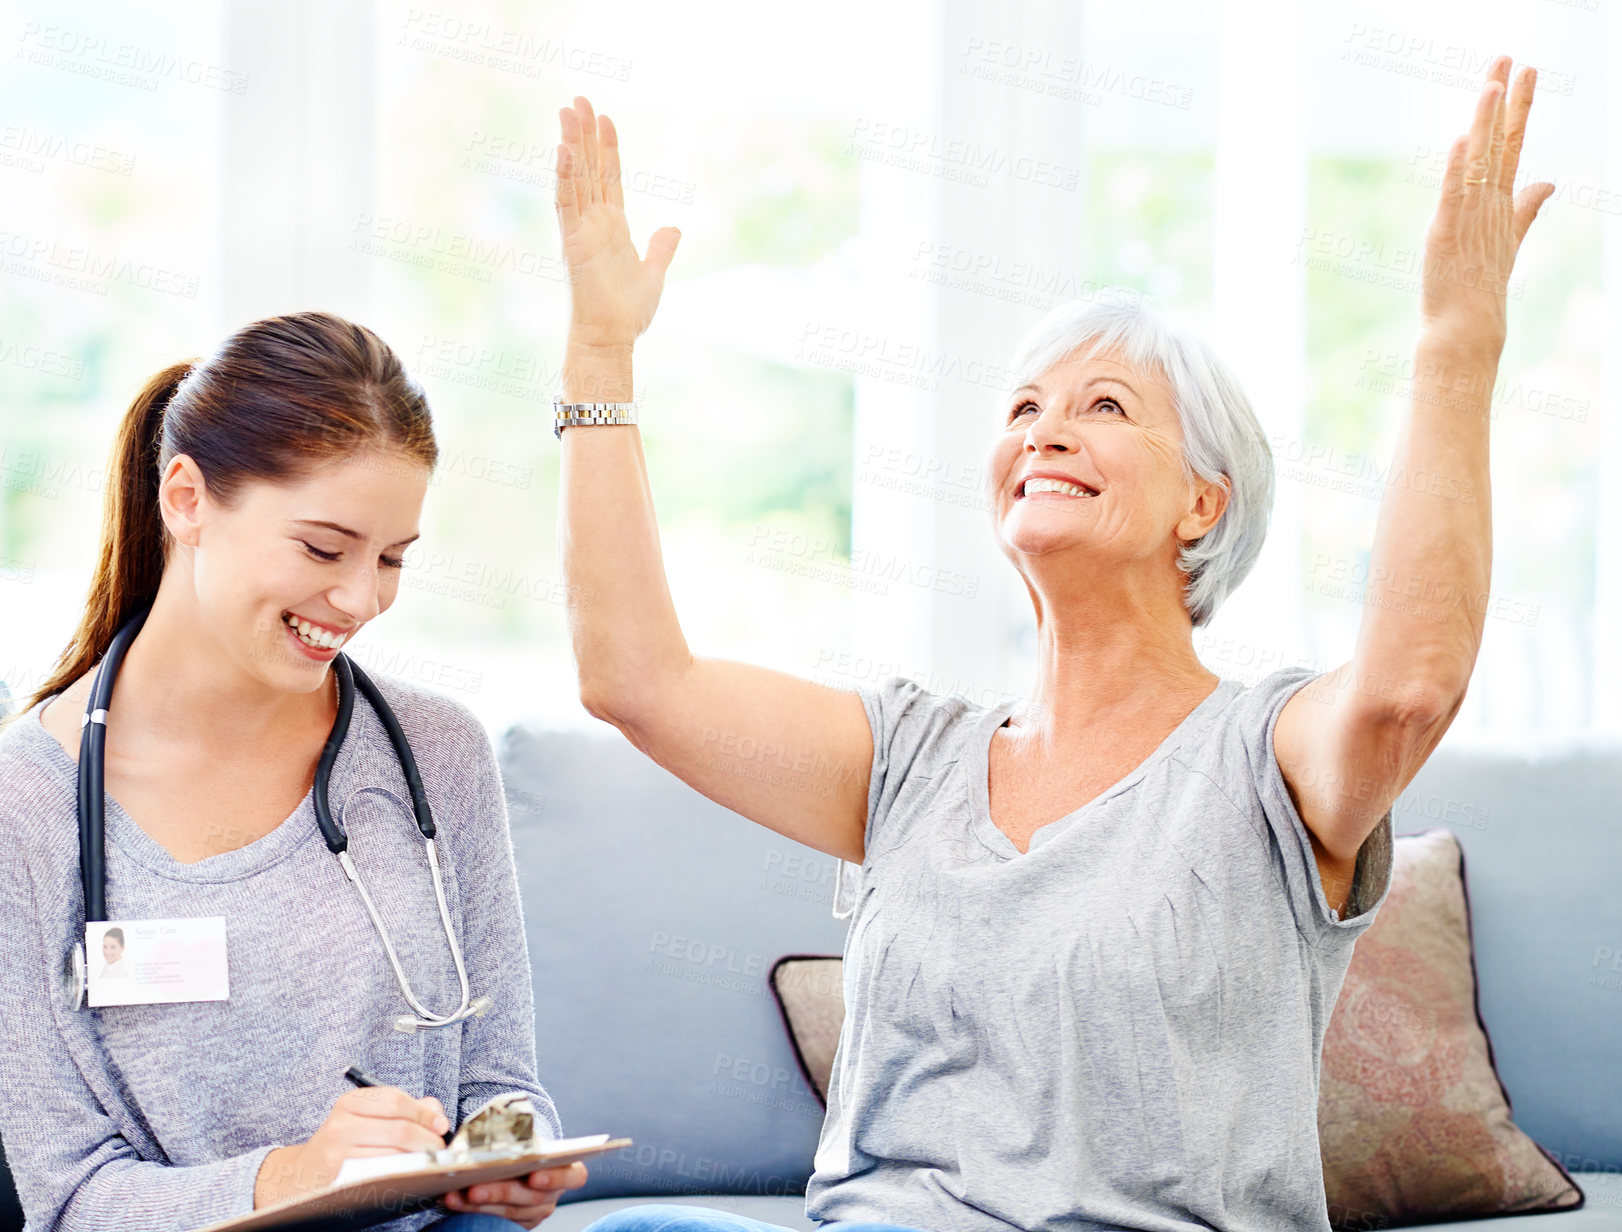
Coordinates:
x,y
583,414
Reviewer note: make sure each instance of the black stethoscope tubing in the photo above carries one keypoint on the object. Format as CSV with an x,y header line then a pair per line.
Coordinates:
x,y
93,819
350,677
92,753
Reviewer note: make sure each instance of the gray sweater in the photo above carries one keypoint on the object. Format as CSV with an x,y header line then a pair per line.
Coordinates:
x,y
153,1117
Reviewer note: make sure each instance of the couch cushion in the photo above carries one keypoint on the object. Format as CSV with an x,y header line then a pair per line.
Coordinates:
x,y
653,918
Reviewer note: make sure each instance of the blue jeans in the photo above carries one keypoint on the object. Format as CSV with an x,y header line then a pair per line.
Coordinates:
x,y
473,1221
669,1217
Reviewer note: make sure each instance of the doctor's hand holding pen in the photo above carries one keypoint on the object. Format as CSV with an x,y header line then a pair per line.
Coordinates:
x,y
383,1120
374,1120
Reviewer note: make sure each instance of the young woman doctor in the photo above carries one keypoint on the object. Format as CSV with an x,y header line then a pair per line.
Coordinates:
x,y
258,505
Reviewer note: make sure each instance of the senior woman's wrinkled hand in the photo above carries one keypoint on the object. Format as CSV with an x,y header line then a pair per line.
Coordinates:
x,y
526,1201
613,293
1479,223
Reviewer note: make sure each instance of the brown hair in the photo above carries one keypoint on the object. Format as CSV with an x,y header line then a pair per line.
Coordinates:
x,y
278,398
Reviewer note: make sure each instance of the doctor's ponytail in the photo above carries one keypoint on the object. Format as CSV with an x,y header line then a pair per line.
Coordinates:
x,y
130,563
279,397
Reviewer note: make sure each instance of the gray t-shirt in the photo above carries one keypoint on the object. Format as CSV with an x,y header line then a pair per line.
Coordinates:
x,y
1120,1028
139,1118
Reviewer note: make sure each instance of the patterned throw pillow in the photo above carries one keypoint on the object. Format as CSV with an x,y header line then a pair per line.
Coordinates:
x,y
1412,1120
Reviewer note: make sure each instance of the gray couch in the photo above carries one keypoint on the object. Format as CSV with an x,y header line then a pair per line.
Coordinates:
x,y
654,917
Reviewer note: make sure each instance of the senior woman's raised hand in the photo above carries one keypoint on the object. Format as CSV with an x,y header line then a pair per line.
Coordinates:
x,y
612,292
789,754
1480,221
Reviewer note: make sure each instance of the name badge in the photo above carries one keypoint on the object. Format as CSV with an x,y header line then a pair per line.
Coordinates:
x,y
155,962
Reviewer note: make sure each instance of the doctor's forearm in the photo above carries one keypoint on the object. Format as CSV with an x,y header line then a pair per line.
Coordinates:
x,y
127,1193
621,618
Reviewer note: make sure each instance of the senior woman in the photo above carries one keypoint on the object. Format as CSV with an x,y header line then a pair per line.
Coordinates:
x,y
1098,935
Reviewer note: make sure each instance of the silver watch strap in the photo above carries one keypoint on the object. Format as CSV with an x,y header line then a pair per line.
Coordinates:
x,y
589,414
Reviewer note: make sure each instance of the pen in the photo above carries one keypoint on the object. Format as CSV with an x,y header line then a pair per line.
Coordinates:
x,y
362,1079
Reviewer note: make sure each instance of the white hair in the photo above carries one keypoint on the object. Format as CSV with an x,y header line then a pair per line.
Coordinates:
x,y
1222,440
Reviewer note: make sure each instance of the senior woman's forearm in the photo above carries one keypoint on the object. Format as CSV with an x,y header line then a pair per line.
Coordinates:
x,y
1428,581
1431,563
622,620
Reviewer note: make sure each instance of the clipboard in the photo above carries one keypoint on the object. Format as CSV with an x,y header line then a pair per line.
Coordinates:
x,y
367,1203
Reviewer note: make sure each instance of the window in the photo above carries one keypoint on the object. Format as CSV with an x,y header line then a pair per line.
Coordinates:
x,y
110,162
876,203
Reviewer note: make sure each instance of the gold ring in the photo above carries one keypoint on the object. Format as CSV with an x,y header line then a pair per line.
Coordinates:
x,y
1482,180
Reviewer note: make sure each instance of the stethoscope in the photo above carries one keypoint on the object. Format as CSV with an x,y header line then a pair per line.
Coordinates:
x,y
92,823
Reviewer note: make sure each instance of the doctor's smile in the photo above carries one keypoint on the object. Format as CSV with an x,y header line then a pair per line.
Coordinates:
x,y
314,636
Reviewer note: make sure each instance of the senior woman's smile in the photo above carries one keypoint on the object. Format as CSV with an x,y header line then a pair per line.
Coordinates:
x,y
1052,483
